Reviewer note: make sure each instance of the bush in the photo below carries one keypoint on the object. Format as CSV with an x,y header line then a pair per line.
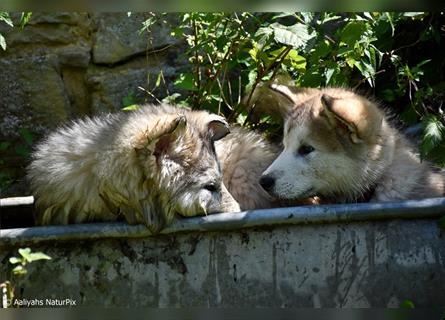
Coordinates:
x,y
397,57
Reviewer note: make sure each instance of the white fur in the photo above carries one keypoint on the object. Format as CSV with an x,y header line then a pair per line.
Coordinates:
x,y
244,155
386,162
97,170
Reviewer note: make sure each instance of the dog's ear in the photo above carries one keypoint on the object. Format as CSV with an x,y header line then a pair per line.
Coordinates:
x,y
273,99
161,135
360,116
287,92
217,127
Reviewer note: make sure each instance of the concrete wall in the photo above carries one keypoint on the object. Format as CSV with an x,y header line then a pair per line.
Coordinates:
x,y
357,264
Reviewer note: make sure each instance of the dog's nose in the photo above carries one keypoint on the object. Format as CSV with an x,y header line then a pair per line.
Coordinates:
x,y
267,182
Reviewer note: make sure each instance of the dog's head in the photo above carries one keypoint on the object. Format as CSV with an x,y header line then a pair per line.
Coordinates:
x,y
180,165
331,137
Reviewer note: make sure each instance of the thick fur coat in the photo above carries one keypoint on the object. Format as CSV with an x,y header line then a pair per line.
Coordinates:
x,y
341,146
244,155
145,166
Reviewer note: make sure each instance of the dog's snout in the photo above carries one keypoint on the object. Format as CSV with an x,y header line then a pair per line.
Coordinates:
x,y
267,182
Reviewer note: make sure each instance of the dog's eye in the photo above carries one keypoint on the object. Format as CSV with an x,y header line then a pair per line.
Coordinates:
x,y
305,149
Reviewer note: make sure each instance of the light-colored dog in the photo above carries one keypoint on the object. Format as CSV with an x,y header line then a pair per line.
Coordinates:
x,y
145,166
340,145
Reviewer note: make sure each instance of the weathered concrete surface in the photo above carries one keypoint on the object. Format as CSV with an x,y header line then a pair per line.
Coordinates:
x,y
375,264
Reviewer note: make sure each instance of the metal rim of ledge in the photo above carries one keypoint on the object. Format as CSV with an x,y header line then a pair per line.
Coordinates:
x,y
319,214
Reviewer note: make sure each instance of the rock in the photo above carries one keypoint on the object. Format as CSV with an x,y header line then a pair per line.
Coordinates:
x,y
77,91
33,101
32,96
74,55
48,34
67,36
118,36
110,85
70,18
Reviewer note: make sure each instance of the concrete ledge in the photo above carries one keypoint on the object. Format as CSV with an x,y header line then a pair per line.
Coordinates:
x,y
411,209
361,255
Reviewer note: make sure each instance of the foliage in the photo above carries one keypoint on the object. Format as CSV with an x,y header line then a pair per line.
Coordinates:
x,y
407,304
5,18
396,56
26,256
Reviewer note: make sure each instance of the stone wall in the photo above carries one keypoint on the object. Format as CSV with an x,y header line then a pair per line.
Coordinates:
x,y
65,65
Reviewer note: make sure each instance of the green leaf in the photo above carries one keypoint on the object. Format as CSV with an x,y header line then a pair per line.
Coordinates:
x,y
282,15
252,76
221,42
350,62
433,133
15,260
296,61
4,16
345,52
129,99
241,118
352,32
19,270
326,17
215,97
408,304
312,78
307,16
254,52
24,19
177,32
171,98
391,22
2,42
328,74
158,79
186,81
321,50
35,256
25,252
296,35
131,107
263,36
370,53
367,70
